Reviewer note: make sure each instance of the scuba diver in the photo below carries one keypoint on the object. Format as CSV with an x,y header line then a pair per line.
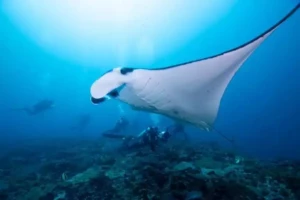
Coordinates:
x,y
165,136
177,129
120,125
150,137
39,107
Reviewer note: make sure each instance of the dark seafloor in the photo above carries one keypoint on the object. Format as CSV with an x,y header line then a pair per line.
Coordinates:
x,y
76,169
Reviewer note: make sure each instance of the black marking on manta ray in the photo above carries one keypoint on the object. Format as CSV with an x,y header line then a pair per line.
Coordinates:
x,y
113,93
97,101
126,70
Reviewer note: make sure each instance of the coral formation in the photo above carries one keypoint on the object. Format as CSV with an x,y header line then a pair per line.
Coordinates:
x,y
82,170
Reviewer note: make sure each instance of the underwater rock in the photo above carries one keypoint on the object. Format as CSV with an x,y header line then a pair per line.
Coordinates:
x,y
194,195
167,197
209,173
97,188
155,175
149,175
3,196
107,160
219,157
159,165
115,173
209,163
183,166
85,176
60,196
3,185
220,172
48,196
38,192
293,183
231,191
59,167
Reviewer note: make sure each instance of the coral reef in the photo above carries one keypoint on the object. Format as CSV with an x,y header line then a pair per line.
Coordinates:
x,y
78,170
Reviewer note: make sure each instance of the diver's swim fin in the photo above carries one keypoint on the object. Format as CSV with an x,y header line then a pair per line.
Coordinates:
x,y
111,135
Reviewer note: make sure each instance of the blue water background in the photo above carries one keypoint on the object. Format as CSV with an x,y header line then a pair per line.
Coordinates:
x,y
260,107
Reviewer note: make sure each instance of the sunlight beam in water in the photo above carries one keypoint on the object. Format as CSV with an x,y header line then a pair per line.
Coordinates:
x,y
115,32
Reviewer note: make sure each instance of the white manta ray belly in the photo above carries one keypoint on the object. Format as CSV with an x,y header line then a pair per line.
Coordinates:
x,y
191,91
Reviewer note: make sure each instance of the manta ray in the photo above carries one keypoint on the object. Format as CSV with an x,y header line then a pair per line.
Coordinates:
x,y
190,92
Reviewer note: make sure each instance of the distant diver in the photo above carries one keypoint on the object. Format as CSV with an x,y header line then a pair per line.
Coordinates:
x,y
164,136
82,123
40,107
178,129
190,91
150,137
120,126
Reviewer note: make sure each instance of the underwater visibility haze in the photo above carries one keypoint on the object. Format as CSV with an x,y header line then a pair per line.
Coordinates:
x,y
185,92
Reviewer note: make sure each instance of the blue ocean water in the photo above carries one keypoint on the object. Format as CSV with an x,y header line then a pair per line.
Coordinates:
x,y
47,51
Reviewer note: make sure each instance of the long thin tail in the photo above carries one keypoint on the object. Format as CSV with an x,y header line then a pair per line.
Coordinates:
x,y
224,136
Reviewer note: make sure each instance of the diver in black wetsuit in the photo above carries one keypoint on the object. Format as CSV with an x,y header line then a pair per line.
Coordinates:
x,y
177,129
39,107
149,137
165,136
120,125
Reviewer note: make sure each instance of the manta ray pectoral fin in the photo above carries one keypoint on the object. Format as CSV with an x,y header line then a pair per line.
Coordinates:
x,y
190,91
109,85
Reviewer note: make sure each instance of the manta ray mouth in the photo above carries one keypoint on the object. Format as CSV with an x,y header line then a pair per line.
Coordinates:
x,y
190,91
